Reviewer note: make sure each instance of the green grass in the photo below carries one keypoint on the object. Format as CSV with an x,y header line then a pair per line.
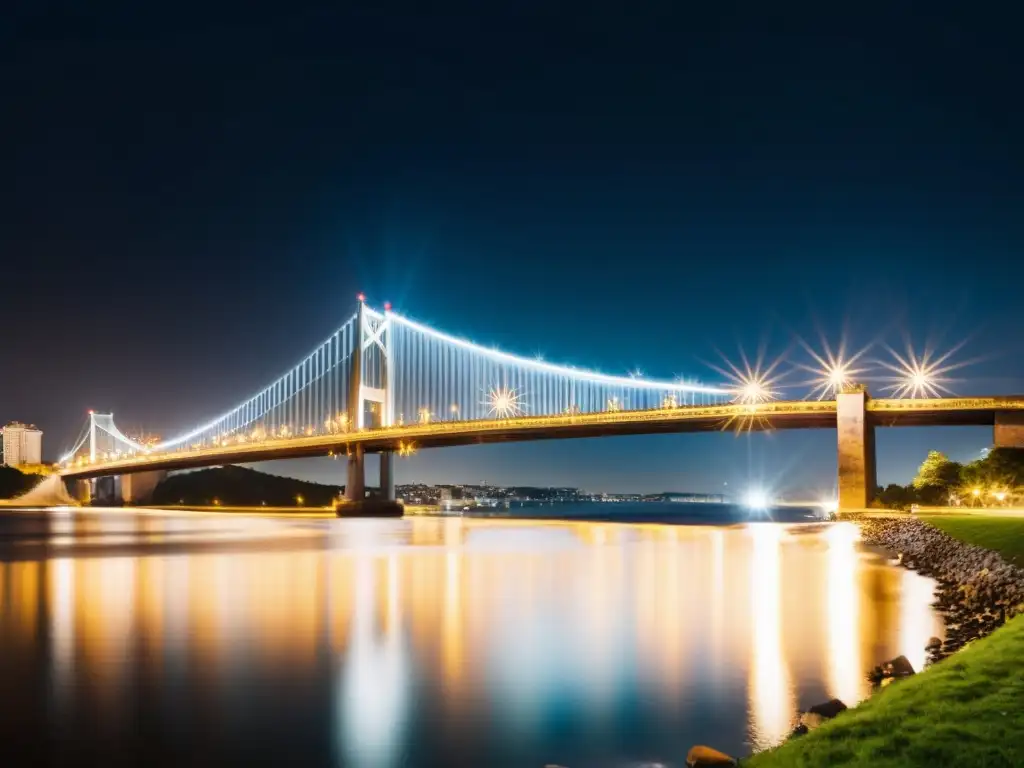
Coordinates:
x,y
965,711
1003,534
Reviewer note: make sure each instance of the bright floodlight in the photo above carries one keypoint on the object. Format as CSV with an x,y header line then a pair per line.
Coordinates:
x,y
756,498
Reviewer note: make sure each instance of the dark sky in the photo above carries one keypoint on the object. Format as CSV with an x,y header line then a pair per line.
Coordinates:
x,y
192,197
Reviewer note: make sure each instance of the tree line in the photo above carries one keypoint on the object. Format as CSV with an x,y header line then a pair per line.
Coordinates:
x,y
996,479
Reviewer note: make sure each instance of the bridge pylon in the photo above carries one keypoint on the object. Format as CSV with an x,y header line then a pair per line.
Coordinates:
x,y
371,384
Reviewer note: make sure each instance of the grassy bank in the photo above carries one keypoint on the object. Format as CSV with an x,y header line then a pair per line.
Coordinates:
x,y
964,711
1005,535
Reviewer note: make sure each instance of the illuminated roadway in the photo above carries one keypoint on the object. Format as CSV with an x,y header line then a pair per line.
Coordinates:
x,y
976,411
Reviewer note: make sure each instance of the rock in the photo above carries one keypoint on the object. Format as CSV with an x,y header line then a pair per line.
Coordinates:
x,y
701,756
933,644
829,709
894,668
811,720
800,730
899,667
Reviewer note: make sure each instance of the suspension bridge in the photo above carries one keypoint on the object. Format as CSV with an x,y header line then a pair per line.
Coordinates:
x,y
384,383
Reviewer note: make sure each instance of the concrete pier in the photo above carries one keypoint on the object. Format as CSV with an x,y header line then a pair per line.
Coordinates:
x,y
138,487
387,475
856,455
1009,429
355,486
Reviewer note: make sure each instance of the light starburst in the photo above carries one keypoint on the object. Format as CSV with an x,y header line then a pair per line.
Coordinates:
x,y
504,403
753,383
920,376
834,371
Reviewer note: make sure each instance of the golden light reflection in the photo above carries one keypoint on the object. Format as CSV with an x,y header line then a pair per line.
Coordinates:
x,y
846,680
771,696
918,623
461,616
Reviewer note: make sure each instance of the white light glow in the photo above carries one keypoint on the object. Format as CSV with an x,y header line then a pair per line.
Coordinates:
x,y
504,402
756,498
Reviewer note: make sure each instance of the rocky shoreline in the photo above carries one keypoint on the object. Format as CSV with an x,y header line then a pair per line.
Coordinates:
x,y
977,590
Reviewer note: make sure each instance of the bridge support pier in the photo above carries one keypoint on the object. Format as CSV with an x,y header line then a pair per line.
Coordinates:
x,y
1009,429
105,491
856,451
355,486
387,475
79,490
138,487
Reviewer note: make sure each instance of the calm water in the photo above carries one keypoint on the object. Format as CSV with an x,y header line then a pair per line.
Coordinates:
x,y
145,638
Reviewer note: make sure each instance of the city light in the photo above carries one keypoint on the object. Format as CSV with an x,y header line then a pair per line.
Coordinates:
x,y
756,499
424,415
406,449
503,402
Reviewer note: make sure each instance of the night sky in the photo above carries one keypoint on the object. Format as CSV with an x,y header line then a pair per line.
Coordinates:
x,y
193,196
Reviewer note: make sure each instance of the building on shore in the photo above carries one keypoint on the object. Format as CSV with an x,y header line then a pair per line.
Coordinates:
x,y
23,445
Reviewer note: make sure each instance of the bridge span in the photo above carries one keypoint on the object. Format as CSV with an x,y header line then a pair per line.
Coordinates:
x,y
383,383
854,415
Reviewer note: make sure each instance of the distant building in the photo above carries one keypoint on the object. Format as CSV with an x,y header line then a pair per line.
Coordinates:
x,y
23,444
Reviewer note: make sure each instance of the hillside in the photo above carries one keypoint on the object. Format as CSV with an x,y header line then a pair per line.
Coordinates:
x,y
242,487
14,483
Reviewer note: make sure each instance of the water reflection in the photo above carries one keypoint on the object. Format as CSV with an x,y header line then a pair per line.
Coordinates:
x,y
846,679
771,705
436,641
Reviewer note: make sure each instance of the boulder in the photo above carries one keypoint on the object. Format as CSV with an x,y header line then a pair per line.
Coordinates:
x,y
894,668
933,644
898,667
829,709
701,756
811,720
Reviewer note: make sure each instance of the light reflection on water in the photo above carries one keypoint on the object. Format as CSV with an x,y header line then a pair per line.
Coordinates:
x,y
432,641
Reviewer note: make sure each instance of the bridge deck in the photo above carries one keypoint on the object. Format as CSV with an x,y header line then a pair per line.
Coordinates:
x,y
764,416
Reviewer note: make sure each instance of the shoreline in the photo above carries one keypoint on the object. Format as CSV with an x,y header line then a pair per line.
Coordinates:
x,y
977,590
963,707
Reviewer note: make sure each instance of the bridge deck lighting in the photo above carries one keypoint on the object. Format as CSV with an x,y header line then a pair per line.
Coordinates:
x,y
921,376
504,403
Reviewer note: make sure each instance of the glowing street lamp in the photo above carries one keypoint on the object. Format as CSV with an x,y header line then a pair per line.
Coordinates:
x,y
921,376
503,403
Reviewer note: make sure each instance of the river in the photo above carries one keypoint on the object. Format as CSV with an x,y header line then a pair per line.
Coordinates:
x,y
142,637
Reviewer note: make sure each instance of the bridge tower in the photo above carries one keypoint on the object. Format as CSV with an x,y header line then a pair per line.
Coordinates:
x,y
371,396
